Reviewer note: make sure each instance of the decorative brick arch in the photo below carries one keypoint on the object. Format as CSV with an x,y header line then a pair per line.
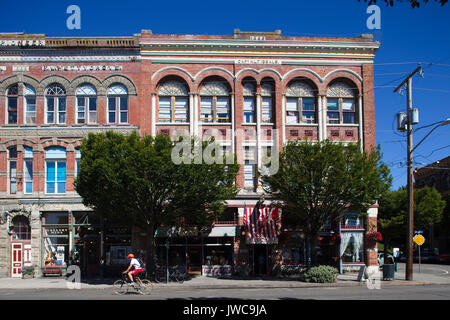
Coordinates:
x,y
306,74
217,73
247,73
176,71
350,78
172,75
45,82
54,142
92,80
6,83
109,81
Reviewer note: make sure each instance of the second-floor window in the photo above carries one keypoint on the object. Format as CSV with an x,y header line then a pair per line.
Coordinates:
x,y
12,161
117,104
86,104
55,171
28,170
300,104
55,97
214,102
249,90
173,102
12,99
30,104
341,104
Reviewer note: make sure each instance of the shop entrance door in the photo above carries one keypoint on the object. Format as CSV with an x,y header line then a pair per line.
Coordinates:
x,y
260,260
16,260
195,260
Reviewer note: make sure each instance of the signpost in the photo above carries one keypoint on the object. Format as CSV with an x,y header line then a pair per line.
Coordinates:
x,y
419,240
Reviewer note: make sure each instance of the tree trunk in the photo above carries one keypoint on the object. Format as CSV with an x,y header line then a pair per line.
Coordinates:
x,y
150,252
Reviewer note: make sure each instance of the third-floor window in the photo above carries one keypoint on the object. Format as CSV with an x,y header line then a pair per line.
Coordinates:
x,y
55,97
173,102
86,104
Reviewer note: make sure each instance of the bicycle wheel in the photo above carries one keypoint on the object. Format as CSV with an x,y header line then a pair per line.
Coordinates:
x,y
179,277
146,286
120,287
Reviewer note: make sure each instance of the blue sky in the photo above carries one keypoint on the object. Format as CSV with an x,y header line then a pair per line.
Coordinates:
x,y
407,36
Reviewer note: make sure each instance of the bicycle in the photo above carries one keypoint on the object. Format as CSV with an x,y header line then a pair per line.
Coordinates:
x,y
174,274
142,286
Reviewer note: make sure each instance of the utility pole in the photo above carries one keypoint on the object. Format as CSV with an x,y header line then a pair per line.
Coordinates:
x,y
410,185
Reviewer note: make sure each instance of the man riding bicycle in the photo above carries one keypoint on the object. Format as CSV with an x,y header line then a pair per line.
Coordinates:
x,y
133,269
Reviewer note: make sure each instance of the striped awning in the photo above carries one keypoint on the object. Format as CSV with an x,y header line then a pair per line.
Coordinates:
x,y
261,225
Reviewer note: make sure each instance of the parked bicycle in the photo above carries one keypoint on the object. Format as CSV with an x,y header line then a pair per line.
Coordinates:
x,y
176,273
141,286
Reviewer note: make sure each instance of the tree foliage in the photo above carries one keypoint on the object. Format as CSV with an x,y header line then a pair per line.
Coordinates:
x,y
414,3
133,179
320,182
393,212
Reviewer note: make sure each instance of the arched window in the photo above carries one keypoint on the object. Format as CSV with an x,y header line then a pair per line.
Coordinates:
x,y
86,104
55,170
12,97
55,97
21,228
30,104
214,102
117,104
173,102
341,101
249,90
267,102
28,169
300,103
12,161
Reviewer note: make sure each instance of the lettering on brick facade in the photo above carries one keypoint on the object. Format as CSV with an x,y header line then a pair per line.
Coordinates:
x,y
82,68
22,43
20,68
257,61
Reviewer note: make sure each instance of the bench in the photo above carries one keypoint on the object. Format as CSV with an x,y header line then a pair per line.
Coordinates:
x,y
52,270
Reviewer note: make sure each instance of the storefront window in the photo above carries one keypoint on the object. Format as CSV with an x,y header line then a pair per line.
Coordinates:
x,y
352,247
56,239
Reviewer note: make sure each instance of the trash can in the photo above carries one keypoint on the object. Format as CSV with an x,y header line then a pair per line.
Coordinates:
x,y
388,271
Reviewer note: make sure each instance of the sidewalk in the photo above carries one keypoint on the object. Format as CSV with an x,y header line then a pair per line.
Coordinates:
x,y
202,282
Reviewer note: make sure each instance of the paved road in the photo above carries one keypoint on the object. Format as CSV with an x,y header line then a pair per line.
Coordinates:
x,y
416,292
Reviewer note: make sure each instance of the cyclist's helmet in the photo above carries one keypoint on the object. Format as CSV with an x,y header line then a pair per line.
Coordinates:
x,y
130,256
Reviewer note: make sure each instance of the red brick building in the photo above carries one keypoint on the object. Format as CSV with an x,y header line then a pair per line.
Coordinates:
x,y
253,90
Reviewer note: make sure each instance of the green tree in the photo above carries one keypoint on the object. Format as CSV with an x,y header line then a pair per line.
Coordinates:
x,y
414,3
135,179
393,212
320,182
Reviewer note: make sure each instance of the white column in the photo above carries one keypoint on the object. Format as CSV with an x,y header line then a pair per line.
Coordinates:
x,y
196,113
233,121
324,117
320,117
154,114
360,121
258,130
283,117
191,114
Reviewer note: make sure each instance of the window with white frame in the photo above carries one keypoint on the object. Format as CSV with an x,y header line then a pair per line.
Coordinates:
x,y
77,161
12,161
341,101
28,170
55,97
173,102
300,103
266,103
249,90
12,98
214,102
117,104
29,104
352,249
86,104
249,168
55,171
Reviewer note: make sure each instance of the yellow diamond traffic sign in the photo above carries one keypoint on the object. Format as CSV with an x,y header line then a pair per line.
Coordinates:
x,y
419,239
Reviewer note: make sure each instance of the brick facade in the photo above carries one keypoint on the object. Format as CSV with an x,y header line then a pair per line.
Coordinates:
x,y
142,64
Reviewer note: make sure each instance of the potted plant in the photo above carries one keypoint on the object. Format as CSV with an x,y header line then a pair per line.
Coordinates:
x,y
27,272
